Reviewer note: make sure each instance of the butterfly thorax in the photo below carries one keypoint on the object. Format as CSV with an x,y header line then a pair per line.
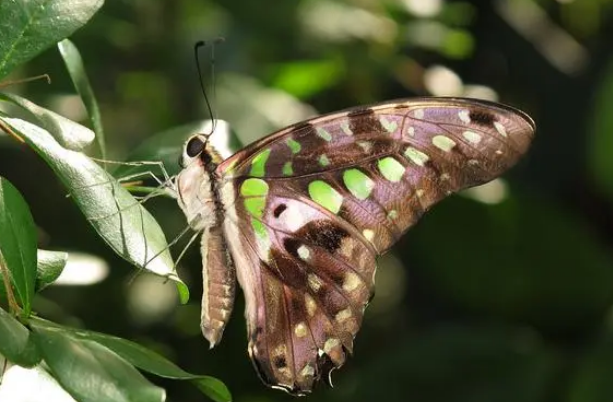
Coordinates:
x,y
197,186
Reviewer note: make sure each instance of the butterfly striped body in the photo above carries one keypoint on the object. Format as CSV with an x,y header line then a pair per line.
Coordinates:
x,y
303,214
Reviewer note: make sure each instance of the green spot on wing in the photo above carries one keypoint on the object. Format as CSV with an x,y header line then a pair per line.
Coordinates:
x,y
323,133
255,190
254,187
358,183
288,170
323,194
391,169
323,160
259,228
255,206
258,164
293,145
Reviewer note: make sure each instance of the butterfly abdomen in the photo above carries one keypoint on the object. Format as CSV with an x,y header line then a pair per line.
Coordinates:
x,y
219,284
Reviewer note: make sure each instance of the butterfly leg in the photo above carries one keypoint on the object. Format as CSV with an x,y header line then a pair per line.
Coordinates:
x,y
166,183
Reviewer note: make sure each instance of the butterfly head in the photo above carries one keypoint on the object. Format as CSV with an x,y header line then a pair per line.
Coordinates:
x,y
198,148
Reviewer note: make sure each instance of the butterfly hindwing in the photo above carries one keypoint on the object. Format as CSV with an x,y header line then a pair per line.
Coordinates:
x,y
314,279
309,208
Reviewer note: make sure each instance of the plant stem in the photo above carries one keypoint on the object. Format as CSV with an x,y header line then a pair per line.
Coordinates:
x,y
6,279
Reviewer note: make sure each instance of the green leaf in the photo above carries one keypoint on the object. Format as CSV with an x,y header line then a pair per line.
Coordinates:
x,y
74,64
16,343
213,388
50,266
297,77
154,363
18,243
69,134
119,219
90,371
29,27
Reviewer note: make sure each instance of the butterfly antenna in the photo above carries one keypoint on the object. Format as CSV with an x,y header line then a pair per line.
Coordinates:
x,y
197,47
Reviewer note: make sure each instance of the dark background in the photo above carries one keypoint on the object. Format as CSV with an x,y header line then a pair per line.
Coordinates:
x,y
479,302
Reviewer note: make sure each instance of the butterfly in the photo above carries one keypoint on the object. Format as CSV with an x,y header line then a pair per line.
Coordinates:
x,y
300,216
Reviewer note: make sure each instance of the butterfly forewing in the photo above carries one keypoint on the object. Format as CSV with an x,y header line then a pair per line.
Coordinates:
x,y
309,208
380,168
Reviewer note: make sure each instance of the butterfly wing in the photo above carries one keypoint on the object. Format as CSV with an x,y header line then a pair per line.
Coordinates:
x,y
306,281
309,208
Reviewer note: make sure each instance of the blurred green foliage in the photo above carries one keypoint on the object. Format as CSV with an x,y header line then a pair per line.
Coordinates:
x,y
479,302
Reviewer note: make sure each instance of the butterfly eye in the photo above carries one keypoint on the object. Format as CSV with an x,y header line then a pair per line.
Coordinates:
x,y
194,147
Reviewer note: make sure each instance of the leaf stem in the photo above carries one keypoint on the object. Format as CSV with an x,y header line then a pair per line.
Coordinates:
x,y
10,296
7,129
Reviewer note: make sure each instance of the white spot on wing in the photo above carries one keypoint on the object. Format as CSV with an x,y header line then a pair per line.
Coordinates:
x,y
303,252
343,315
345,127
472,137
464,116
416,156
389,125
300,330
314,282
443,143
419,113
366,146
307,371
351,281
311,306
331,344
500,128
294,220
